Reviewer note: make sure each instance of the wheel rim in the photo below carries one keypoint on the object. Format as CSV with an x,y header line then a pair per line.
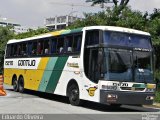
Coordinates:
x,y
74,94
15,84
21,85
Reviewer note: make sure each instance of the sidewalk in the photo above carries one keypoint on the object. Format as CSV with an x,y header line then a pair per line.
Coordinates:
x,y
155,105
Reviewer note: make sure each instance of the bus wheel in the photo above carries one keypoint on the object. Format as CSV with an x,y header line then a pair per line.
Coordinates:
x,y
73,94
21,85
15,84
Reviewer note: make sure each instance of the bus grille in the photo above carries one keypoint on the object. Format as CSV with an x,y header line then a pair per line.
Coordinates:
x,y
132,88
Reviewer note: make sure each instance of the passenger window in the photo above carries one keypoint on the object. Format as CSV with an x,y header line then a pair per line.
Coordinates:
x,y
60,46
19,50
30,44
68,44
14,50
46,46
77,43
34,48
24,49
8,51
53,45
40,47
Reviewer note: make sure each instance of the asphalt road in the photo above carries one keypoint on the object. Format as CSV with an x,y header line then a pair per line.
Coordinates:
x,y
50,106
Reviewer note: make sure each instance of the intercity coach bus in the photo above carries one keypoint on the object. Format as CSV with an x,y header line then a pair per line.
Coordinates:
x,y
104,64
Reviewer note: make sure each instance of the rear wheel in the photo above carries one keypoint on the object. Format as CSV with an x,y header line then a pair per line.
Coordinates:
x,y
21,85
15,84
73,94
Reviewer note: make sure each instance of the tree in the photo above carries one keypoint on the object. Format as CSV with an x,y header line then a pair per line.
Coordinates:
x,y
5,35
119,4
31,33
101,2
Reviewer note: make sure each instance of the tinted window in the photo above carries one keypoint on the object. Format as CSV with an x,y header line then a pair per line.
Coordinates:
x,y
60,45
77,43
92,37
125,39
68,44
53,45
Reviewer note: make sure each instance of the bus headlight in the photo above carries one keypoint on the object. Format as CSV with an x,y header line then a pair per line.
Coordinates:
x,y
149,97
112,96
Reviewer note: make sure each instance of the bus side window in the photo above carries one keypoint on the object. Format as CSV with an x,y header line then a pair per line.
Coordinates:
x,y
68,44
8,51
12,50
53,45
15,50
60,45
77,43
29,48
19,50
46,46
40,47
24,49
34,48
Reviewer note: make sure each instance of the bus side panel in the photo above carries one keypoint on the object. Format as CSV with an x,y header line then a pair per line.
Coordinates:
x,y
8,74
71,71
33,77
47,74
51,74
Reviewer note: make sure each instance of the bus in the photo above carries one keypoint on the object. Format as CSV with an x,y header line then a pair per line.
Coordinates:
x,y
104,64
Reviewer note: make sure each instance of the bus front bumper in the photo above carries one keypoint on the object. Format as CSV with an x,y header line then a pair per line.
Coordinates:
x,y
126,97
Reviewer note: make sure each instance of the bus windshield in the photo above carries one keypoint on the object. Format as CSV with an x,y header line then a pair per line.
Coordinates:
x,y
127,65
126,39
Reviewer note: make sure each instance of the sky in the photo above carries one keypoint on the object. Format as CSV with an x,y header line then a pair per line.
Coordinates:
x,y
32,13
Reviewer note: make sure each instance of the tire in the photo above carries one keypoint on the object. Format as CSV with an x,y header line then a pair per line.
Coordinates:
x,y
73,94
21,85
15,84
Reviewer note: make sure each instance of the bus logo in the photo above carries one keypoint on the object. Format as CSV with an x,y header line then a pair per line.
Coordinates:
x,y
91,91
75,65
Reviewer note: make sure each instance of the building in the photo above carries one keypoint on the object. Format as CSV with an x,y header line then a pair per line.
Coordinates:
x,y
59,22
16,27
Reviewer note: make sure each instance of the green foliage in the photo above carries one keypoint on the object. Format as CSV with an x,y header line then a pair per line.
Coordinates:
x,y
31,33
5,35
127,18
157,98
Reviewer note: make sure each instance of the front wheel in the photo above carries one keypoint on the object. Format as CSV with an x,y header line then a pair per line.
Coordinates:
x,y
73,94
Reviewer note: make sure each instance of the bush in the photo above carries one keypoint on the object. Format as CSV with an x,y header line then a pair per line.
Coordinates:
x,y
157,98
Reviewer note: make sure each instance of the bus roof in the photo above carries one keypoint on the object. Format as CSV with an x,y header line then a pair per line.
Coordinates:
x,y
64,32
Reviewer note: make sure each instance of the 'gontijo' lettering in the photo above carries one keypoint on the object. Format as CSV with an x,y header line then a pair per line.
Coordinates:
x,y
26,62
